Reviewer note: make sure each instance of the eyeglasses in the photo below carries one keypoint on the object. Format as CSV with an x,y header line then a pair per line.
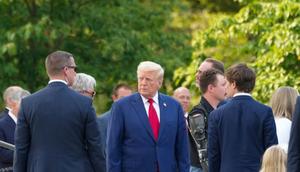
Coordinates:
x,y
91,93
72,67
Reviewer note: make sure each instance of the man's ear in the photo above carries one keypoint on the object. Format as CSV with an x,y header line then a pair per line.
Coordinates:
x,y
114,97
234,84
160,82
210,87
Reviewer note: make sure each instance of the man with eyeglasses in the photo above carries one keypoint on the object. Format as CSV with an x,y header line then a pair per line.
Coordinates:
x,y
85,84
57,128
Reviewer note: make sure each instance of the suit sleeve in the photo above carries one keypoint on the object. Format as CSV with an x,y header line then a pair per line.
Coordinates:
x,y
270,136
293,164
22,141
213,150
115,139
5,154
93,140
182,150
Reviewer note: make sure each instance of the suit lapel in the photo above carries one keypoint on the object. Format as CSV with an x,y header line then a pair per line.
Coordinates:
x,y
139,107
163,115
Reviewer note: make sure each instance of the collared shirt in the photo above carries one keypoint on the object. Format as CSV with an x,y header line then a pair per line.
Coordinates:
x,y
155,104
57,80
241,94
12,115
206,105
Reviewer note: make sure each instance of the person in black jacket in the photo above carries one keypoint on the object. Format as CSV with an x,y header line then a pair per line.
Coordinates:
x,y
212,85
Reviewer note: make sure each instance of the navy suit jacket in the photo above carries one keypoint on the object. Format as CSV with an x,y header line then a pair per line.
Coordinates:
x,y
293,164
3,113
131,145
102,125
238,134
57,131
7,134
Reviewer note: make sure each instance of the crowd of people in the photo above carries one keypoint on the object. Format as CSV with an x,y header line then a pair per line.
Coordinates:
x,y
56,128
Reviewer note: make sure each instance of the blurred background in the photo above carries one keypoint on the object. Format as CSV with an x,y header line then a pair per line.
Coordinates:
x,y
109,38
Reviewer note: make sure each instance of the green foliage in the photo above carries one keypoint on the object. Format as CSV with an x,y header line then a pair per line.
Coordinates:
x,y
108,38
266,35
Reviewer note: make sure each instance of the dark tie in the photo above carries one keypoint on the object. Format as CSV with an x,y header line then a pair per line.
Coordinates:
x,y
153,119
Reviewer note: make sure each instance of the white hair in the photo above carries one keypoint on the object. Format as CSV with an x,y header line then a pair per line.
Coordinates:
x,y
152,67
15,93
84,82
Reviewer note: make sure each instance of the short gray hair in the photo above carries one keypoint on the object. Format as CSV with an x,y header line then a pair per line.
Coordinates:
x,y
15,93
152,67
83,82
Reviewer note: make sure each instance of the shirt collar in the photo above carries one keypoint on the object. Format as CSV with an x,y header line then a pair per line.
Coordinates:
x,y
12,116
241,94
57,80
155,98
206,105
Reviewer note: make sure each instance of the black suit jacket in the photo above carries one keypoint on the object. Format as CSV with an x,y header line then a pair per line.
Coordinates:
x,y
57,131
293,164
7,134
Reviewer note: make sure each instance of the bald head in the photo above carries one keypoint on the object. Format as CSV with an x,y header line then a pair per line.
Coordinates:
x,y
183,95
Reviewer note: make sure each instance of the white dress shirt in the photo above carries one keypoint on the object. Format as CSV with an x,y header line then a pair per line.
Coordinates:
x,y
57,80
241,94
155,105
283,128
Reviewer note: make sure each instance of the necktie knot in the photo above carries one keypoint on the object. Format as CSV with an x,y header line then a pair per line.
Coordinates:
x,y
150,101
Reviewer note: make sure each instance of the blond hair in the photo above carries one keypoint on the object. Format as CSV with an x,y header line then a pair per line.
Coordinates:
x,y
283,102
274,160
152,67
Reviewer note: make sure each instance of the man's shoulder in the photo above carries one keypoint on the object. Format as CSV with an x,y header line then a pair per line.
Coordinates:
x,y
5,120
198,109
105,116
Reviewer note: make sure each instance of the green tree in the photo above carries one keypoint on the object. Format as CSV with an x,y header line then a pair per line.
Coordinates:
x,y
108,38
265,35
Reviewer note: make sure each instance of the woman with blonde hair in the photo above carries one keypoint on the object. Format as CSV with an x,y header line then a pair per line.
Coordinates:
x,y
274,160
283,103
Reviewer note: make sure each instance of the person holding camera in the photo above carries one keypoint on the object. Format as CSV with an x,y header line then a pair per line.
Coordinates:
x,y
212,84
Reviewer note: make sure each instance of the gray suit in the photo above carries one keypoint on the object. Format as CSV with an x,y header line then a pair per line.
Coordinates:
x,y
102,124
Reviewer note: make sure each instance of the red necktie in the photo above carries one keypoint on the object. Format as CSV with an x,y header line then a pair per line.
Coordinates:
x,y
153,119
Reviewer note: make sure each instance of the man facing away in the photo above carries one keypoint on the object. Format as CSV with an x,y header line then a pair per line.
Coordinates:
x,y
12,97
147,131
57,129
119,91
293,162
241,130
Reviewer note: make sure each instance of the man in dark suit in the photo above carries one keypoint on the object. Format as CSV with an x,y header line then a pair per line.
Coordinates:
x,y
119,91
57,128
147,131
293,163
12,96
3,113
241,130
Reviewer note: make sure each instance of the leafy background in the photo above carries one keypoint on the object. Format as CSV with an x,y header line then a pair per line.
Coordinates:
x,y
109,38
